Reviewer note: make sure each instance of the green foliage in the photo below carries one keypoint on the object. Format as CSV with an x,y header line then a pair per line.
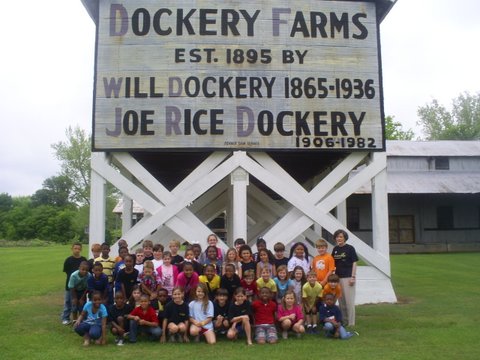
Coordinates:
x,y
74,156
394,130
56,191
462,123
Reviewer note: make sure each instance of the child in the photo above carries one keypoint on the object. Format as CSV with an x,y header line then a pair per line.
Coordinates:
x,y
220,311
230,281
211,280
157,255
239,314
279,255
190,258
96,250
237,244
261,244
264,313
147,246
333,287
117,314
250,285
122,243
139,256
266,281
282,282
162,298
174,246
201,315
71,264
134,299
98,282
299,279
92,322
212,259
299,257
231,258
212,240
265,262
167,273
246,259
148,282
188,280
331,318
77,286
290,315
323,264
176,318
107,262
311,293
127,277
119,265
144,319
197,252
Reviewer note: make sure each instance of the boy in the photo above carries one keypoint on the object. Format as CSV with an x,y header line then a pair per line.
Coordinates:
x,y
323,264
96,250
331,318
230,281
266,281
127,277
144,319
117,315
71,264
333,287
250,285
220,311
77,286
98,283
264,313
139,256
174,246
107,262
147,246
311,293
279,256
157,255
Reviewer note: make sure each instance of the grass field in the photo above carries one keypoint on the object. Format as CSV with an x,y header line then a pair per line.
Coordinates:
x,y
437,316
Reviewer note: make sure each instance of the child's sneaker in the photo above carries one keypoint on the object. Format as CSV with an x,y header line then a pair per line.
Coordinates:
x,y
117,339
309,329
120,342
314,329
285,335
66,322
180,338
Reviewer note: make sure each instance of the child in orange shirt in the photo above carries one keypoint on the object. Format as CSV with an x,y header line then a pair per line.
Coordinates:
x,y
323,264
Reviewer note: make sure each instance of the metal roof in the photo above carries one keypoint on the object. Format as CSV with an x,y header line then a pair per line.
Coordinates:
x,y
433,148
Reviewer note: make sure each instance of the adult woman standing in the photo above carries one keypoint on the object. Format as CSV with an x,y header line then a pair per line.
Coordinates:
x,y
346,259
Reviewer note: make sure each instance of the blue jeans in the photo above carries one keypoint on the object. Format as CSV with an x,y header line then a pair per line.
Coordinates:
x,y
135,329
94,331
67,306
330,330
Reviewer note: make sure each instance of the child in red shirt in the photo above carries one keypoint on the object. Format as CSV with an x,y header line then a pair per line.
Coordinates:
x,y
264,312
144,319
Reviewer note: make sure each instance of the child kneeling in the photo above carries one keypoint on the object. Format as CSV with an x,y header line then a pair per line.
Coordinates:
x,y
92,322
331,317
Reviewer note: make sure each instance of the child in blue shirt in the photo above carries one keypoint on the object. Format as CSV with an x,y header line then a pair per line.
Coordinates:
x,y
92,322
331,317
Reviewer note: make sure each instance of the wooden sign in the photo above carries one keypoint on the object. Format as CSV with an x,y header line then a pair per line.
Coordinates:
x,y
266,75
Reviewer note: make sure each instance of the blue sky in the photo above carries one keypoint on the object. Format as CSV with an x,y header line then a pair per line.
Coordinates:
x,y
429,51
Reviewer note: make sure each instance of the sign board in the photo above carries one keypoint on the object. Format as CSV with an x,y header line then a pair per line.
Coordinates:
x,y
266,75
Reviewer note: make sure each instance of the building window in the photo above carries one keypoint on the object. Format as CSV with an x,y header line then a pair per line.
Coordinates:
x,y
442,163
353,218
402,229
444,217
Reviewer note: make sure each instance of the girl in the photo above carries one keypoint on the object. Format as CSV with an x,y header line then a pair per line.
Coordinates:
x,y
211,280
246,259
167,273
231,258
92,322
282,282
212,240
264,261
250,285
201,315
188,280
299,279
148,281
212,259
134,299
290,316
299,257
239,316
190,258
176,318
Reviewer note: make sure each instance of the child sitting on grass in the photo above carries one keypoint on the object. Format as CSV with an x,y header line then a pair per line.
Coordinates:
x,y
331,318
92,322
201,315
144,319
175,320
117,315
290,315
239,316
264,313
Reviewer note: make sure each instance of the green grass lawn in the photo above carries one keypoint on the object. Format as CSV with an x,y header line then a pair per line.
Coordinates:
x,y
437,316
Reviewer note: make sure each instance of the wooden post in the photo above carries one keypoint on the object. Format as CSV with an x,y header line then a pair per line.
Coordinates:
x,y
239,182
97,206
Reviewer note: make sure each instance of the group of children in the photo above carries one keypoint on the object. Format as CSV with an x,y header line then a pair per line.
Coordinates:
x,y
207,293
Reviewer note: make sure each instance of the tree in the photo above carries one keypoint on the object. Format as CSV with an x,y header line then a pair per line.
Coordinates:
x,y
74,155
56,191
462,123
394,130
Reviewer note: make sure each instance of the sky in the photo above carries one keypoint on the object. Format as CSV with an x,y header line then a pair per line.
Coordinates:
x,y
429,51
